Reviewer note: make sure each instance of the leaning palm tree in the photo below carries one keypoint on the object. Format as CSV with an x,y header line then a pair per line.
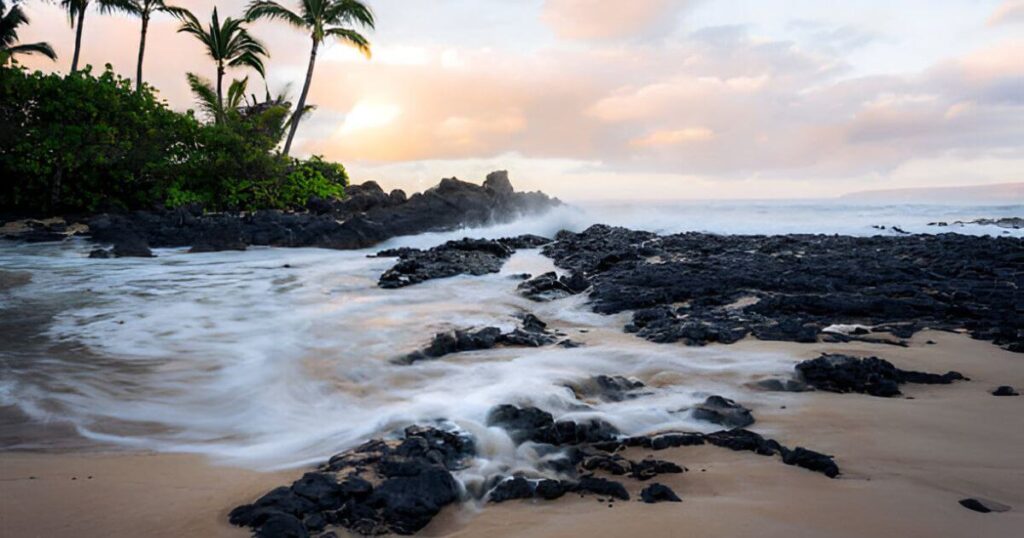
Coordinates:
x,y
144,9
227,42
76,16
322,19
10,20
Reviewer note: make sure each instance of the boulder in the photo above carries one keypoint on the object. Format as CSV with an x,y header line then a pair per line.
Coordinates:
x,y
984,506
1005,390
511,488
467,256
874,376
656,493
499,183
724,412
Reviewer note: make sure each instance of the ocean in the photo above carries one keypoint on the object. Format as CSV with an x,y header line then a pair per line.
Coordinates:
x,y
276,358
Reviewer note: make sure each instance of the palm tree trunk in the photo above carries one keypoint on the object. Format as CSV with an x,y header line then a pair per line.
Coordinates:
x,y
220,92
297,115
142,53
78,39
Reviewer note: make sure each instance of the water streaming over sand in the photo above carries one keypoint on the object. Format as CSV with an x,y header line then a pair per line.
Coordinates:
x,y
280,357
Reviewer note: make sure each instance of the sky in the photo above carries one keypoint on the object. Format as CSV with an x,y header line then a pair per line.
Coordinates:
x,y
645,99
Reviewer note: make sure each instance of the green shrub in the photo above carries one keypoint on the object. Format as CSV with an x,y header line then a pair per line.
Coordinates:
x,y
84,143
81,142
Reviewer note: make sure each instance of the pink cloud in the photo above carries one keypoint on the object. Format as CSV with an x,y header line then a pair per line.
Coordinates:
x,y
608,19
1009,12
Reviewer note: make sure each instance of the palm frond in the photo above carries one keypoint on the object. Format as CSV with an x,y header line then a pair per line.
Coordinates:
x,y
125,6
73,8
42,49
206,96
10,20
250,60
353,38
267,9
353,12
236,93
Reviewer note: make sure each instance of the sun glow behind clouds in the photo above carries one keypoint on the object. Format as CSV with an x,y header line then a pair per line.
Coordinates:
x,y
368,114
699,99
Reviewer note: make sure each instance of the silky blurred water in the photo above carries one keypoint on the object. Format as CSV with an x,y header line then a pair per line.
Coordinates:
x,y
273,358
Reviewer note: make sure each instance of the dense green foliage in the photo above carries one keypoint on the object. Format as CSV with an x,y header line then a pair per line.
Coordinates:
x,y
85,142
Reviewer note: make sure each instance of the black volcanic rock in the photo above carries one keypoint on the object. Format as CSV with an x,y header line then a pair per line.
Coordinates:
x,y
533,333
602,486
724,412
548,489
874,376
743,440
649,468
811,460
656,493
367,216
699,288
1005,390
984,506
466,256
550,286
532,424
131,247
608,388
512,488
415,483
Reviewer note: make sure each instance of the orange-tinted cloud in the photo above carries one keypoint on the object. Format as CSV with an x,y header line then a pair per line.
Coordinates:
x,y
719,104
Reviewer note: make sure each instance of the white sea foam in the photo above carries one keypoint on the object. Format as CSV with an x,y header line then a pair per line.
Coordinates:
x,y
238,357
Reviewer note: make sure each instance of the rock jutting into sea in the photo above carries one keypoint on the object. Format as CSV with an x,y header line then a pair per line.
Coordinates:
x,y
365,217
700,288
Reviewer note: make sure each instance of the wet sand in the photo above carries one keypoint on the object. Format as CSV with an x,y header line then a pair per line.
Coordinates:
x,y
905,462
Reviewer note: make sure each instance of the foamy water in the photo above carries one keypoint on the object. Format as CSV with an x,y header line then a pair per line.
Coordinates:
x,y
273,358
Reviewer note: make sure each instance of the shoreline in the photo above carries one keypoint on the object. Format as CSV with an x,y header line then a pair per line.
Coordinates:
x,y
905,464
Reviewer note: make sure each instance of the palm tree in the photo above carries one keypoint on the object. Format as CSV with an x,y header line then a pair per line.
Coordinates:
x,y
144,9
76,16
210,103
10,20
228,43
322,19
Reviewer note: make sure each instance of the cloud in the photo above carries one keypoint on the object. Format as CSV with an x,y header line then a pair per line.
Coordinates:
x,y
1009,12
722,104
610,19
675,137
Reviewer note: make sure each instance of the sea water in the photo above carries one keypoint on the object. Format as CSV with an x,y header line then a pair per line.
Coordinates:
x,y
276,358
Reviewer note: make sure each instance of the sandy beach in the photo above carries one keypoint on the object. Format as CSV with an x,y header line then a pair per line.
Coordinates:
x,y
905,461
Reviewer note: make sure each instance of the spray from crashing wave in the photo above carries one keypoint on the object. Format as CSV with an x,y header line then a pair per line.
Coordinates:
x,y
277,358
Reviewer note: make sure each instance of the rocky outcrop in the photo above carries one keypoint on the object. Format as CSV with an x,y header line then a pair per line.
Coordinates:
x,y
1005,390
701,288
871,375
533,424
736,439
656,493
613,388
379,487
367,216
551,286
466,256
399,485
532,333
463,257
983,506
724,412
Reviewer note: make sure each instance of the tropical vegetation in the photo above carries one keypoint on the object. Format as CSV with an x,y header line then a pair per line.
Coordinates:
x,y
323,19
90,141
10,47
